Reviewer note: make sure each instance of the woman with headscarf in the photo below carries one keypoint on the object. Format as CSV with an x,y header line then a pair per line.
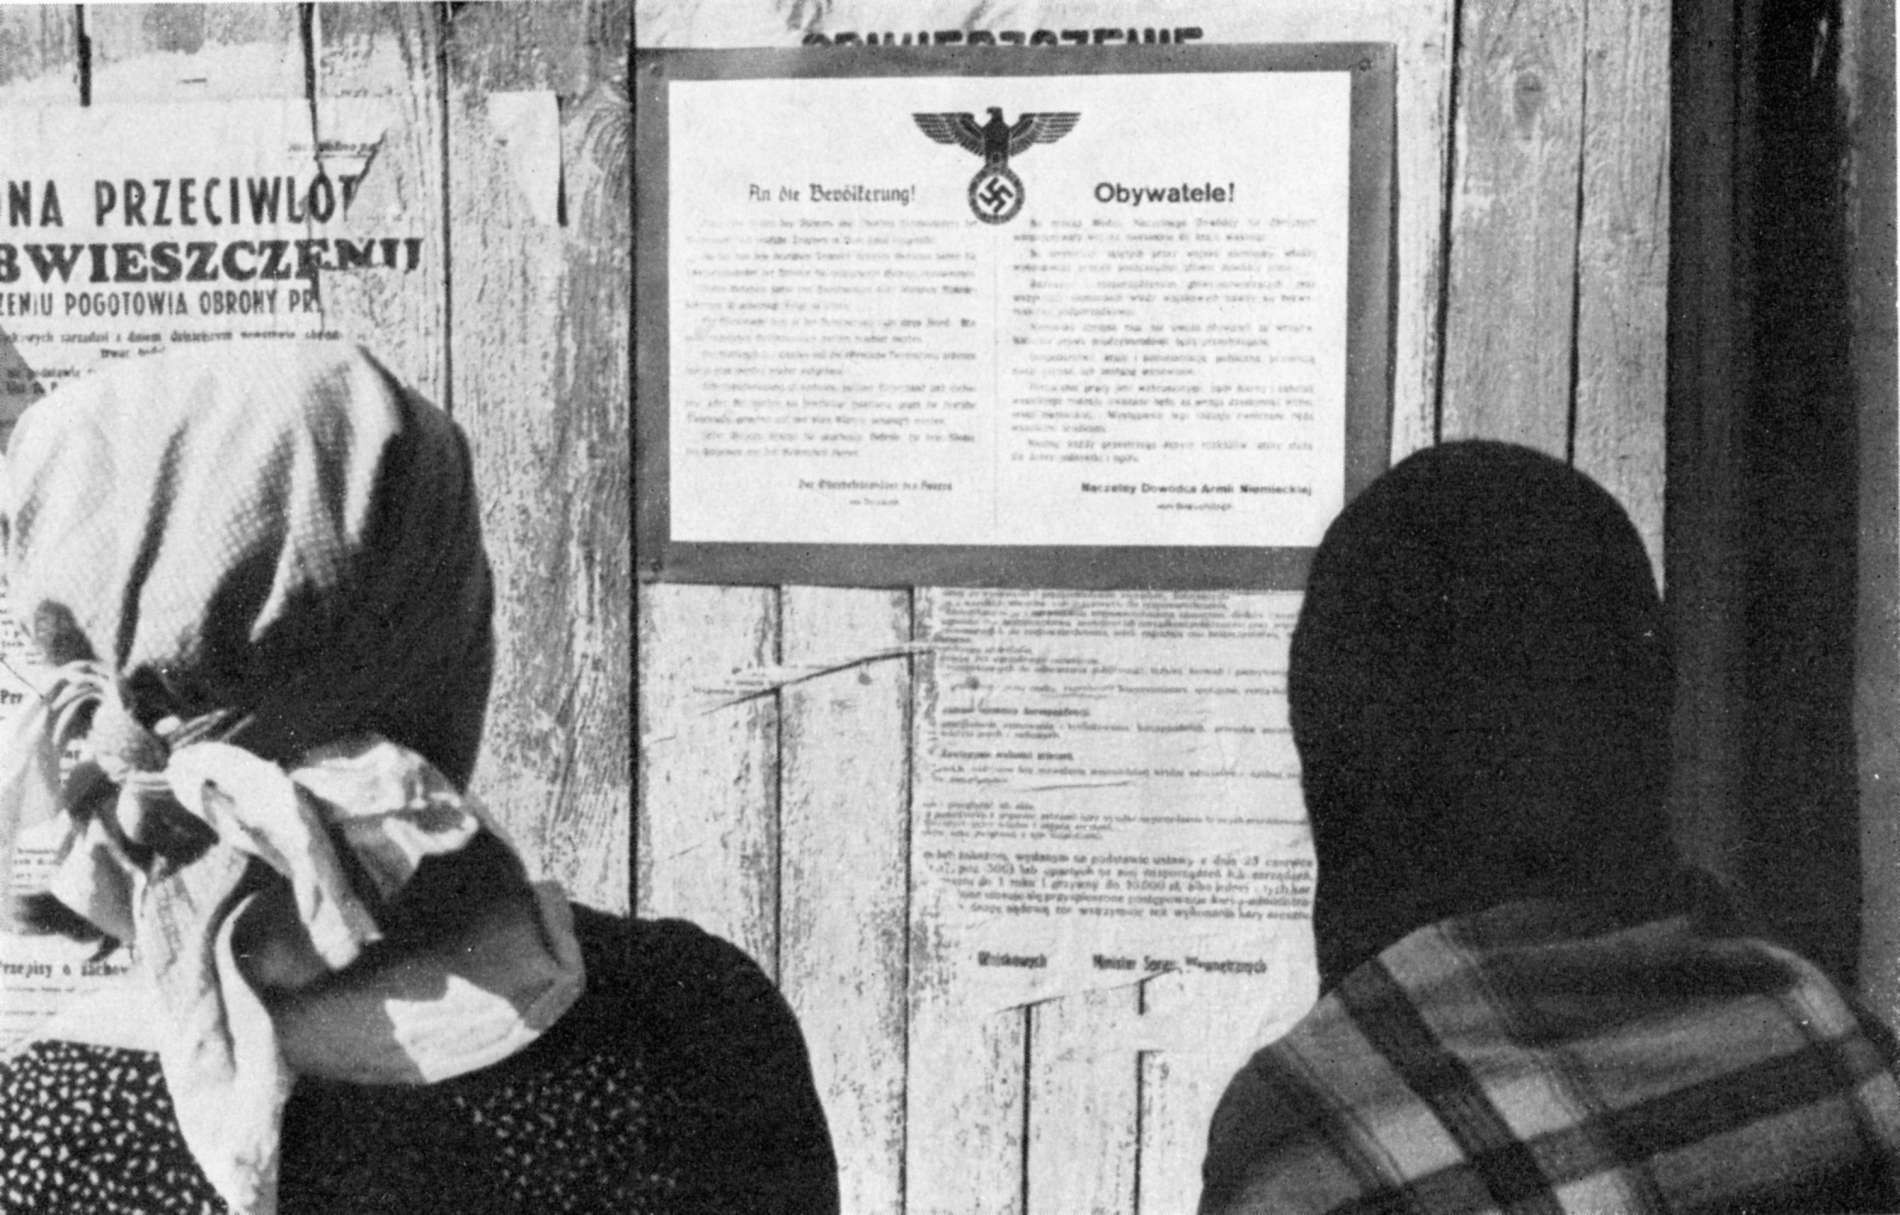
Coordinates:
x,y
260,615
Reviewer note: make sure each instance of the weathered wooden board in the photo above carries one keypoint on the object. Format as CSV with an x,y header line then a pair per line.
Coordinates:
x,y
1084,1104
844,845
186,52
39,55
540,369
707,845
1511,307
392,54
968,1103
1623,260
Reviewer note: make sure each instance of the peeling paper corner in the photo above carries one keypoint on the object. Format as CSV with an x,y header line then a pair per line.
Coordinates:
x,y
528,126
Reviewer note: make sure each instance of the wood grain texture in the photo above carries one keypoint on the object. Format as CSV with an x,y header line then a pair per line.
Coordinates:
x,y
844,805
1623,261
967,1097
1084,1104
1195,1032
391,53
539,353
1510,305
707,845
194,52
39,54
1179,1090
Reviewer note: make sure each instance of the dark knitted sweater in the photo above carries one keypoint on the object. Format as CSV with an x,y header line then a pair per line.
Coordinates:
x,y
678,1083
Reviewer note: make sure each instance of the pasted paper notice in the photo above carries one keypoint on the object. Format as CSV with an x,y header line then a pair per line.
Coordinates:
x,y
1032,311
1107,791
43,977
126,229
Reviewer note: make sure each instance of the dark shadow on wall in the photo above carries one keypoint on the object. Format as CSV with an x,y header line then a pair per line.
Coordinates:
x,y
1801,854
1764,463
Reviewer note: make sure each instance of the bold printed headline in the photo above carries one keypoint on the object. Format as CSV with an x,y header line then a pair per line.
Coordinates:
x,y
1101,35
126,205
1105,192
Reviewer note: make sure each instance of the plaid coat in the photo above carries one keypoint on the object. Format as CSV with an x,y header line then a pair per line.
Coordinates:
x,y
1540,1057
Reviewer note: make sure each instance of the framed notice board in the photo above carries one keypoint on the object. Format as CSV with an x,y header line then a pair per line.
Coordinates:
x,y
1088,317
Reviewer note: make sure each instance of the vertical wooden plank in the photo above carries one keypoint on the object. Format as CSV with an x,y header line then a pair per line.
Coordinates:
x,y
1178,1093
39,60
1084,1097
844,857
391,53
1510,308
1623,260
194,52
1424,35
708,773
966,1103
540,377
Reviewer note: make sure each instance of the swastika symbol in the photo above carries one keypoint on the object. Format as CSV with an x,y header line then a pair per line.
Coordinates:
x,y
996,195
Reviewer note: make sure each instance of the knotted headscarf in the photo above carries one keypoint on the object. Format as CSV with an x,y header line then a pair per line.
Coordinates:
x,y
256,577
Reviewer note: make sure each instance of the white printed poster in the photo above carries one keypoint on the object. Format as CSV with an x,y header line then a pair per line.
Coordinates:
x,y
1051,323
1089,317
127,229
1107,790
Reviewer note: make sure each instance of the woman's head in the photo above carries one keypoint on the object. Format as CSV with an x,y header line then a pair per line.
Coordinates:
x,y
1480,690
273,545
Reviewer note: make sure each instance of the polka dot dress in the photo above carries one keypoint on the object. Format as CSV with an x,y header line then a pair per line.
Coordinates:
x,y
83,1128
679,1084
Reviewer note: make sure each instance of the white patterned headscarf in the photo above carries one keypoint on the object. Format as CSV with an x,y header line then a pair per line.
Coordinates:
x,y
257,579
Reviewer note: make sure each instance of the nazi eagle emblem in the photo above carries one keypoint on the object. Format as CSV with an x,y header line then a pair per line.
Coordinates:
x,y
996,193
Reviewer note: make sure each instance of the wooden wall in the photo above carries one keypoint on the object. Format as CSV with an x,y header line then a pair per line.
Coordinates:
x,y
521,331
1533,171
